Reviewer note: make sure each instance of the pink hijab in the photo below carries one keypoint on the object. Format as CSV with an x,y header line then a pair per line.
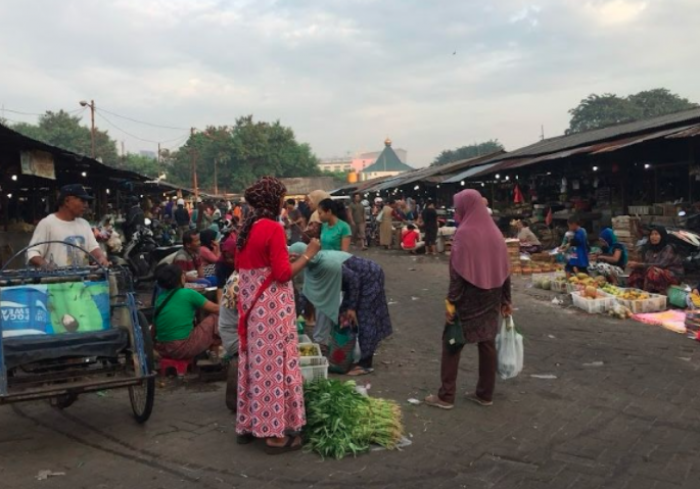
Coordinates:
x,y
479,253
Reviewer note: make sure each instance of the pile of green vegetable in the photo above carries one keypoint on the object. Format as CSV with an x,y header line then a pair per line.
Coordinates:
x,y
341,421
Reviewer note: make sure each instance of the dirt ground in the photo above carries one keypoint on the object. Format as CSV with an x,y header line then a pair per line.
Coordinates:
x,y
623,411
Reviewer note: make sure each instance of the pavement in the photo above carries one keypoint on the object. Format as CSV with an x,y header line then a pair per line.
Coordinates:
x,y
623,411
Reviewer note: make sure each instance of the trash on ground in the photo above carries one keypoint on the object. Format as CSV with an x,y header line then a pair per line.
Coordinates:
x,y
414,401
543,376
557,301
45,474
594,364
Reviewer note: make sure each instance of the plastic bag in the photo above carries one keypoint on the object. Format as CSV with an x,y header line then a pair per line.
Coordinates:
x,y
509,344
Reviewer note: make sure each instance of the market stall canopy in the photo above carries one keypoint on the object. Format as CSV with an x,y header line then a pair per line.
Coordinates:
x,y
306,185
679,125
30,157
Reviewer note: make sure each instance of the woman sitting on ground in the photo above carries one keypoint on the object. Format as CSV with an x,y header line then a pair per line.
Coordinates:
x,y
364,302
611,263
528,241
174,316
209,251
335,231
661,268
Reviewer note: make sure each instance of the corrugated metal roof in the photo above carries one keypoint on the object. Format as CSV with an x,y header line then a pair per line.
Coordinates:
x,y
471,172
562,143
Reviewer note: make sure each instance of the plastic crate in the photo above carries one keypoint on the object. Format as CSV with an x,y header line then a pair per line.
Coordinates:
x,y
304,339
655,303
318,370
640,210
593,306
310,360
574,288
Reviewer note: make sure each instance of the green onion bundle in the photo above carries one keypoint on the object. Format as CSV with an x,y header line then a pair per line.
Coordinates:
x,y
340,421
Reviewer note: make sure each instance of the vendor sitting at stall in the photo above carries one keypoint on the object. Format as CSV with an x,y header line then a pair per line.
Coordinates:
x,y
189,261
174,315
576,247
661,266
528,241
209,253
611,263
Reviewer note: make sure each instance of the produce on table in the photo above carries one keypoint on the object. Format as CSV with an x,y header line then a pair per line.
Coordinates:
x,y
612,290
590,291
635,295
340,421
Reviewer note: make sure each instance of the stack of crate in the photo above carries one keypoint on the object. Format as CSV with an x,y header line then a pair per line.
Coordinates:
x,y
627,231
513,246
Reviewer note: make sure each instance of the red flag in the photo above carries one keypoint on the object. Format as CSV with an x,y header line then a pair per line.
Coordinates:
x,y
548,220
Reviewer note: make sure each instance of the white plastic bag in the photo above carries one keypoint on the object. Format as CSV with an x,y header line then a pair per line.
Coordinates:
x,y
509,344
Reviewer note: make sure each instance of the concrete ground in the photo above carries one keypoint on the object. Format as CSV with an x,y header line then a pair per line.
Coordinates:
x,y
622,412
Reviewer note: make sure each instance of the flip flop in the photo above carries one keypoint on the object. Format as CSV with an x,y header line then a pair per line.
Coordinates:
x,y
434,401
357,371
289,446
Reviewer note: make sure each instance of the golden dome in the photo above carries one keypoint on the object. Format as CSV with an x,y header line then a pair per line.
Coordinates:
x,y
387,142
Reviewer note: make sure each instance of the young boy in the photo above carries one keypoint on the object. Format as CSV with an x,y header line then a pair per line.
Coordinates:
x,y
577,248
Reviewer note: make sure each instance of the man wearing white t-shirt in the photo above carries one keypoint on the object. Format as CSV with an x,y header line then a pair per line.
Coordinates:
x,y
68,226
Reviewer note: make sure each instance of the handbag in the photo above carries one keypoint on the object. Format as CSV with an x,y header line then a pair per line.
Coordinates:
x,y
341,347
454,336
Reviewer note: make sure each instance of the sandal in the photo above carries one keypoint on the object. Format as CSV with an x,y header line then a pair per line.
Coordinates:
x,y
435,401
478,400
357,371
289,446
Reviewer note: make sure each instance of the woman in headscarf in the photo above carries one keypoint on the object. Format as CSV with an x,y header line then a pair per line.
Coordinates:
x,y
270,395
611,263
661,268
364,302
313,228
209,252
478,296
386,228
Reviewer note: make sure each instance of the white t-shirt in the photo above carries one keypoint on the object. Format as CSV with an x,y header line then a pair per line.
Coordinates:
x,y
77,232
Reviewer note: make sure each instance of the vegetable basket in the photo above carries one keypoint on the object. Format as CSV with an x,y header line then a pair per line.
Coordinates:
x,y
312,359
654,303
318,369
602,304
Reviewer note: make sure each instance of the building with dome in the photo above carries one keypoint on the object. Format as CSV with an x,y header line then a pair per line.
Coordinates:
x,y
387,164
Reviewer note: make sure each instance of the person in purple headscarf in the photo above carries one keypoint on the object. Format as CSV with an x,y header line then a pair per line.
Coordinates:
x,y
479,294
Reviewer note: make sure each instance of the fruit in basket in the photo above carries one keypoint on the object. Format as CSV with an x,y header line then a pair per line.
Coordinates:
x,y
600,279
573,280
307,351
590,291
582,276
635,295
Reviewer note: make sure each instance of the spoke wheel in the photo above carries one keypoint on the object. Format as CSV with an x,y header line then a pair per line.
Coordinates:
x,y
142,396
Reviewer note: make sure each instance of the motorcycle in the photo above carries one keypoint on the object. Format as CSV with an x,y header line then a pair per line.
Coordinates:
x,y
142,254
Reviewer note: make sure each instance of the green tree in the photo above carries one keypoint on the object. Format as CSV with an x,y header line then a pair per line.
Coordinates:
x,y
467,152
144,165
65,131
240,154
598,111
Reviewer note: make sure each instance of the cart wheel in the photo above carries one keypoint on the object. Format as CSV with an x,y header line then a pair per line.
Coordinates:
x,y
142,396
232,386
63,401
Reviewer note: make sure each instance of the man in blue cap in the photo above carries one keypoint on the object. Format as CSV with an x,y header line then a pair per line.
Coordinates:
x,y
68,226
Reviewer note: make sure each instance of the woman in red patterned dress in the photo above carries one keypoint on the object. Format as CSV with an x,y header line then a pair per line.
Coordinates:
x,y
270,385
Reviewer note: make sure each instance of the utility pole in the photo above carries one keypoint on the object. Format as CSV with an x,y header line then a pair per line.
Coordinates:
x,y
123,156
158,155
542,135
216,182
91,104
193,155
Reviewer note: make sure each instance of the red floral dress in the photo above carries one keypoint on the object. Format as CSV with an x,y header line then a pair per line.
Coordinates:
x,y
270,385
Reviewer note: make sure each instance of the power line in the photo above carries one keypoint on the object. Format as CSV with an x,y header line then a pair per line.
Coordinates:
x,y
144,123
132,135
20,112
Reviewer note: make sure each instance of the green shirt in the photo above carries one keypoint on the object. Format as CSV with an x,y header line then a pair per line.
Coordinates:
x,y
332,236
176,320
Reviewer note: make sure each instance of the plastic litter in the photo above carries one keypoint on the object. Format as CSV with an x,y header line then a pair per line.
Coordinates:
x,y
543,376
45,474
414,401
594,364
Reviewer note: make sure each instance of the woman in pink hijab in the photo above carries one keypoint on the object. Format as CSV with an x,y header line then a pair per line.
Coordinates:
x,y
478,296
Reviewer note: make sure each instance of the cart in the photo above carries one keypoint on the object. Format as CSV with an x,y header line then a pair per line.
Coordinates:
x,y
70,331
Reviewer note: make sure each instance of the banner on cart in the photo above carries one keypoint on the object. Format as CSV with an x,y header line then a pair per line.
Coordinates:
x,y
72,307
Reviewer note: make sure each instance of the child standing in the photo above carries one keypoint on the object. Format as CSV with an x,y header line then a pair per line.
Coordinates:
x,y
577,247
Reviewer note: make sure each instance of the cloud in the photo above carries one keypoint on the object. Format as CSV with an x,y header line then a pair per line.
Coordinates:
x,y
345,73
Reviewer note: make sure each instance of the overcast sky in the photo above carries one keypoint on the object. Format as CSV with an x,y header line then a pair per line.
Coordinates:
x,y
344,74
